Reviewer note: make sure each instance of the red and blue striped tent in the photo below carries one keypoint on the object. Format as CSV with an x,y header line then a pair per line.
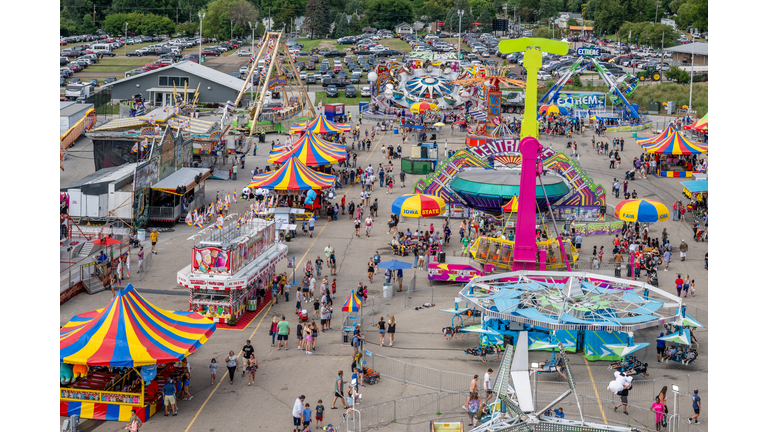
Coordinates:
x,y
654,139
292,175
676,144
352,304
320,125
312,151
130,332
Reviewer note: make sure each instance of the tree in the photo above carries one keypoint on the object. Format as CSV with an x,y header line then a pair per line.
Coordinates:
x,y
354,6
676,74
572,22
318,15
549,8
341,26
187,29
434,10
355,28
609,15
389,13
486,19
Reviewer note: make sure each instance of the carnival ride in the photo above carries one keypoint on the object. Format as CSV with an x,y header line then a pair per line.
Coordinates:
x,y
276,58
513,408
618,89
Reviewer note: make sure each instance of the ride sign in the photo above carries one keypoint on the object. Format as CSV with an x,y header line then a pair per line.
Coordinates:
x,y
588,52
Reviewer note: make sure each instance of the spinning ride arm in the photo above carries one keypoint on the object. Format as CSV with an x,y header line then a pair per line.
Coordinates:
x,y
265,86
613,88
552,94
264,41
533,48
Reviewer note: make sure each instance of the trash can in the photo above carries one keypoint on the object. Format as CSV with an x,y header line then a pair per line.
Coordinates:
x,y
142,234
397,130
617,271
387,291
634,134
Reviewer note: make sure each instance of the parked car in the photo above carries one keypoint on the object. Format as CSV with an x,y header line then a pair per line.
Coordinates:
x,y
107,54
243,52
310,66
62,81
365,91
350,91
332,91
207,53
110,80
311,79
303,76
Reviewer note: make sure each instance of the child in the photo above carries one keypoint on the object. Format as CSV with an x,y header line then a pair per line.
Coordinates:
x,y
365,295
319,409
693,290
333,287
307,416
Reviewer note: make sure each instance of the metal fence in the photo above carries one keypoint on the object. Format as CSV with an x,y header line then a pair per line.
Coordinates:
x,y
427,404
409,373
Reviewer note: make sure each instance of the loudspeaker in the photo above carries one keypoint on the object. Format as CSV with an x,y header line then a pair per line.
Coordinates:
x,y
442,257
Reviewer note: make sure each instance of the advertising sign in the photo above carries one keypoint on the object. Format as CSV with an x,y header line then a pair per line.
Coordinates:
x,y
582,100
494,104
588,52
211,260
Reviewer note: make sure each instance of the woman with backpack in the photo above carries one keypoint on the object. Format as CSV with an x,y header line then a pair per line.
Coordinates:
x,y
473,406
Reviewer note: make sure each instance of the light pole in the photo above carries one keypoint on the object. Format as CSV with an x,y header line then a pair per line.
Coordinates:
x,y
125,51
460,13
657,12
676,391
506,32
693,55
200,57
231,25
253,35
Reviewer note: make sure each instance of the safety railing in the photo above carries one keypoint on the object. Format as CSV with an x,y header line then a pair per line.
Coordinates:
x,y
428,404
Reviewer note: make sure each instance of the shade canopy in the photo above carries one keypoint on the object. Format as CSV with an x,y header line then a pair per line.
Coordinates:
x,y
552,109
656,138
511,206
132,332
676,144
681,337
106,241
311,150
420,107
418,205
701,125
625,350
320,125
292,175
394,265
352,304
641,210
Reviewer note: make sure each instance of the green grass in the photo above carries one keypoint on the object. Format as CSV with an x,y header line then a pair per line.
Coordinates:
x,y
341,98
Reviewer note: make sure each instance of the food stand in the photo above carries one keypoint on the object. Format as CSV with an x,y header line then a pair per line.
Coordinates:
x,y
109,363
227,268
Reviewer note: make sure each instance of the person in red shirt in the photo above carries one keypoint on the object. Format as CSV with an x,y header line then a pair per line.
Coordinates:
x,y
343,201
152,390
678,284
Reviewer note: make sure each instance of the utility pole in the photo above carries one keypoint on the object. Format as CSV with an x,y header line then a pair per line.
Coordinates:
x,y
231,25
269,20
505,19
125,51
657,12
460,13
514,18
94,14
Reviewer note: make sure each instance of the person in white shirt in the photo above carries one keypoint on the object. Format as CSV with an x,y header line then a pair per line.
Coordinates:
x,y
368,225
487,385
298,407
312,282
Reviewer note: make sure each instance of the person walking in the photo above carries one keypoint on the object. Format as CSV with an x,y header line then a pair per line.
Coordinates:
x,y
658,409
298,410
696,408
253,365
153,239
283,329
683,249
328,251
382,330
338,391
371,269
273,328
473,406
213,368
402,178
624,395
246,352
663,400
169,397
231,366
661,345
391,329
473,384
487,385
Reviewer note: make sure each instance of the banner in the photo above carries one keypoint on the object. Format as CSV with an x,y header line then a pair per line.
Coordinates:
x,y
582,100
598,228
494,104
141,183
278,81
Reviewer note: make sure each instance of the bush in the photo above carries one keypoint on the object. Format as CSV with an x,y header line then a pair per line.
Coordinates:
x,y
676,74
577,81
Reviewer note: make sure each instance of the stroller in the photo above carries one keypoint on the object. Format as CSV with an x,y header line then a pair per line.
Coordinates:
x,y
370,376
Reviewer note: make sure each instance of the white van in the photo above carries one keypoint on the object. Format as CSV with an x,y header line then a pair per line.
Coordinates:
x,y
101,47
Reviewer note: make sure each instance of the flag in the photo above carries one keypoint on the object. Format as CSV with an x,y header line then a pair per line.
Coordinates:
x,y
219,222
211,213
234,196
189,219
199,222
135,147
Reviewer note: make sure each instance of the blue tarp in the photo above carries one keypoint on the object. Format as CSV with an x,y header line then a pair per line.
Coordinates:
x,y
696,185
506,305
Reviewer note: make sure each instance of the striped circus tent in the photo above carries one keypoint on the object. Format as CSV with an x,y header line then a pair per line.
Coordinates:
x,y
312,151
292,175
130,332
